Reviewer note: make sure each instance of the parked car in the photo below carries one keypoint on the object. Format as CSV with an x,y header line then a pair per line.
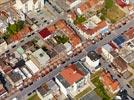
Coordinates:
x,y
128,86
118,75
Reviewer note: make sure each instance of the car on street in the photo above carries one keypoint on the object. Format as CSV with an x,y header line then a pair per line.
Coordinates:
x,y
118,75
108,33
128,86
124,23
13,46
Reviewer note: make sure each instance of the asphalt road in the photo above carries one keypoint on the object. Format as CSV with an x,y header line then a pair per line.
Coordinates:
x,y
36,84
21,94
123,82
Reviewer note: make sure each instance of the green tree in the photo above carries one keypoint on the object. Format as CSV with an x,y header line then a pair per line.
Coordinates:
x,y
12,29
20,25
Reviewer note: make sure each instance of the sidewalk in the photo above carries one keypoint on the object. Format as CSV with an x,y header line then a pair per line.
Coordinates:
x,y
132,71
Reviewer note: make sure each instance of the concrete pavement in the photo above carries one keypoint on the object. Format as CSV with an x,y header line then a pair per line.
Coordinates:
x,y
123,82
50,75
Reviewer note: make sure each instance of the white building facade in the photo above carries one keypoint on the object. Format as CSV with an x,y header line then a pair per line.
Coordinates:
x,y
28,5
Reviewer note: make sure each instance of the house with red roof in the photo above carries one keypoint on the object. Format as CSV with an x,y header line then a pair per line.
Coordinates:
x,y
129,34
110,84
21,34
2,90
120,65
45,33
93,27
89,4
72,78
122,3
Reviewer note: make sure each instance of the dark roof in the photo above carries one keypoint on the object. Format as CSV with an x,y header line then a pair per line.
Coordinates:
x,y
15,76
59,48
93,55
82,68
119,40
120,64
47,87
63,81
20,63
44,33
114,54
2,40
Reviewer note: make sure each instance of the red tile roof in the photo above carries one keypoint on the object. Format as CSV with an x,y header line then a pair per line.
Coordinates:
x,y
2,90
84,7
120,64
61,25
44,33
51,28
22,33
87,5
121,3
130,33
112,45
109,82
73,38
72,74
100,25
72,15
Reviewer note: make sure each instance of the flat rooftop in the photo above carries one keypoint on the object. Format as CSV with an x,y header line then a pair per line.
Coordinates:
x,y
93,55
119,40
72,74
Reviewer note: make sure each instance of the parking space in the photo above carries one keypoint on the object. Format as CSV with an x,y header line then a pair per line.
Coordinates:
x,y
91,96
41,17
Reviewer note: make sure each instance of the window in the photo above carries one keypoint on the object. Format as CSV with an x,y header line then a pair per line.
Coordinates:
x,y
39,5
26,7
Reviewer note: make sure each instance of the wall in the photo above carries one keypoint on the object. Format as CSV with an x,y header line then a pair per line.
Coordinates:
x,y
62,88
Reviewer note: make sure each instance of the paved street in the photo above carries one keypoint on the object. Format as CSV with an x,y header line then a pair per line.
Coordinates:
x,y
123,82
42,80
36,84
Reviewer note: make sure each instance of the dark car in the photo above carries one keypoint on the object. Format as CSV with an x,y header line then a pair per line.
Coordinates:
x,y
128,86
45,21
13,46
130,27
7,51
28,35
110,66
124,23
22,41
119,76
109,33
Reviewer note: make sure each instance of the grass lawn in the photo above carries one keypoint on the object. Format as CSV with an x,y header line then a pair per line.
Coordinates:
x,y
12,29
132,83
109,4
84,92
61,39
115,14
96,74
111,11
34,97
100,89
131,65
